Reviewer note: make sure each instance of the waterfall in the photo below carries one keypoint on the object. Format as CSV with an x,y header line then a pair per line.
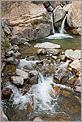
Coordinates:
x,y
52,20
62,25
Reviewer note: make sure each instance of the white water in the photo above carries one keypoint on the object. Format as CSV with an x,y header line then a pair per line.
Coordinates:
x,y
53,30
24,62
60,35
62,25
39,95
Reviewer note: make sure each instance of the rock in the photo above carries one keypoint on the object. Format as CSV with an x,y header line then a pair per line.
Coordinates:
x,y
47,45
41,52
26,43
62,57
54,57
3,116
17,40
76,54
37,119
15,48
7,30
17,54
53,51
22,73
33,76
72,80
17,80
9,53
61,75
76,64
59,13
78,81
6,93
78,88
74,20
11,60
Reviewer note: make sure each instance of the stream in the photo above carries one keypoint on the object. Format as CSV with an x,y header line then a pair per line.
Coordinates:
x,y
46,99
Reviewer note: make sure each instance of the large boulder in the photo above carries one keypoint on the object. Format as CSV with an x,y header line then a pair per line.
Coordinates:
x,y
74,17
30,20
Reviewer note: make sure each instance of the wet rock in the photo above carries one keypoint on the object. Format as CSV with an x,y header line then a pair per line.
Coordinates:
x,y
76,64
17,80
37,119
76,54
72,80
47,45
41,52
22,73
6,93
61,75
59,13
17,54
33,76
3,116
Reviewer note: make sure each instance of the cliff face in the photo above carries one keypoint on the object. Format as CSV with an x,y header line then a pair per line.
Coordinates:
x,y
74,17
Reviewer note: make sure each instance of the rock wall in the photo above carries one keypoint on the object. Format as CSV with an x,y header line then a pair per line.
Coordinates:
x,y
74,17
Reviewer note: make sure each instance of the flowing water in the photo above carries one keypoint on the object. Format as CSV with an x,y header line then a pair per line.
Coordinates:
x,y
60,35
46,99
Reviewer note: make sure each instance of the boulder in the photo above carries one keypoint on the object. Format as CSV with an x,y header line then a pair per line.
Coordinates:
x,y
22,73
59,13
76,64
17,80
61,75
6,93
74,17
41,52
74,55
47,45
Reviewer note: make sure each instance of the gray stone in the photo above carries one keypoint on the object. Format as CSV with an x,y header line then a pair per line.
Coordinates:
x,y
22,73
59,13
9,53
15,48
41,52
78,88
17,54
38,119
76,54
17,80
61,74
47,45
17,40
76,64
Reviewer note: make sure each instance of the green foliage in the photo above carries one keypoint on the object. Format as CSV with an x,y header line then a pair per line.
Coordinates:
x,y
5,43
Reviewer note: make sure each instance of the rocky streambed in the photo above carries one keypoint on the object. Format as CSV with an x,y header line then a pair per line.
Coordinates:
x,y
42,81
